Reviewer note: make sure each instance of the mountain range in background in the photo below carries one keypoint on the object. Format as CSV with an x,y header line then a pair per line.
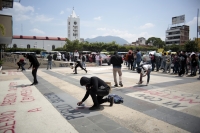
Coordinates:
x,y
107,39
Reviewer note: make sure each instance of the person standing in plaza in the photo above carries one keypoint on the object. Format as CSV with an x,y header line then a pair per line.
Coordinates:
x,y
116,61
97,89
138,57
168,63
97,59
183,58
34,64
194,64
76,55
49,59
83,61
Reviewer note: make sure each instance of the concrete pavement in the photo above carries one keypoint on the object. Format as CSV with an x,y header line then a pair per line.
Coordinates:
x,y
169,104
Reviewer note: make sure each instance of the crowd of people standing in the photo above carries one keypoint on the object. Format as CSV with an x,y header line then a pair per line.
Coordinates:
x,y
179,63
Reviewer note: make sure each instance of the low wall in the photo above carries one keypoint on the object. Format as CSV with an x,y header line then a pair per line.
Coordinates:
x,y
11,62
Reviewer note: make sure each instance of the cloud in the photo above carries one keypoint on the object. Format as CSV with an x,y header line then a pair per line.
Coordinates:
x,y
193,21
101,29
146,26
68,9
37,31
22,13
19,12
62,12
42,18
97,18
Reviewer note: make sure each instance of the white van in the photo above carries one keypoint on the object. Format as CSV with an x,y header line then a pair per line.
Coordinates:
x,y
58,56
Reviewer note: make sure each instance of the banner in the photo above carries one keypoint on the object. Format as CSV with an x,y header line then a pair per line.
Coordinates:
x,y
178,19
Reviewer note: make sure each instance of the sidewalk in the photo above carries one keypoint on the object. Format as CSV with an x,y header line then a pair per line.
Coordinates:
x,y
169,104
23,109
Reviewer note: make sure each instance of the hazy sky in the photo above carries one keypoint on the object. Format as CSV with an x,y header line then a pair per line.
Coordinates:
x,y
128,19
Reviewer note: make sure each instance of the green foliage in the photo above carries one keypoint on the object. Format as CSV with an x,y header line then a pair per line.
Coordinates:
x,y
71,46
2,29
191,46
60,49
173,48
157,42
1,62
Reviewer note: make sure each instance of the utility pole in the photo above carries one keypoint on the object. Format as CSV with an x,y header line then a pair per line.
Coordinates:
x,y
197,26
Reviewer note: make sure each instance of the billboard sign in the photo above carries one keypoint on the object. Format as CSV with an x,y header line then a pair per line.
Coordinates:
x,y
6,23
178,19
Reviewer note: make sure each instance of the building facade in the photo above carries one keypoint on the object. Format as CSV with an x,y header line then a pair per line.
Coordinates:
x,y
177,35
46,43
73,24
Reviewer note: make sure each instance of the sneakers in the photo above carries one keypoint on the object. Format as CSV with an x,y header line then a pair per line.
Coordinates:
x,y
121,84
34,83
115,85
111,100
147,83
139,82
94,107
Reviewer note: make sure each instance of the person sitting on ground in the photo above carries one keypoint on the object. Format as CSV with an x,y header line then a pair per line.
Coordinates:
x,y
97,89
21,64
144,69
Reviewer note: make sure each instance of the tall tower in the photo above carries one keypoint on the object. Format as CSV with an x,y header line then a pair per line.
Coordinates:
x,y
73,26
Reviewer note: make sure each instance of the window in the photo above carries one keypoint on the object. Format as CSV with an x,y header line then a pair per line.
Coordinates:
x,y
69,23
28,46
15,46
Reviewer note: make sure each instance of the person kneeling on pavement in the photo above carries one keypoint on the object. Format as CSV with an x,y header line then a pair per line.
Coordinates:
x,y
143,70
97,89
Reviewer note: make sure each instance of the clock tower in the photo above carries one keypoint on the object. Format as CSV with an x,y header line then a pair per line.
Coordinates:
x,y
73,24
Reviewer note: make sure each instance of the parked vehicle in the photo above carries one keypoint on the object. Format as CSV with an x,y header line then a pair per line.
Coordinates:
x,y
105,59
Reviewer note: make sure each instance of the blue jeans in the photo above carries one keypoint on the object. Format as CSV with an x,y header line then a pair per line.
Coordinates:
x,y
148,75
138,63
83,64
49,64
22,66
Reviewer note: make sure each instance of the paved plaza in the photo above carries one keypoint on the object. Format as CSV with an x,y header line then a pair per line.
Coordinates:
x,y
169,104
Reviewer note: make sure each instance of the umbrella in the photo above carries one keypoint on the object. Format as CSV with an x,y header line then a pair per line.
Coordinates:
x,y
158,54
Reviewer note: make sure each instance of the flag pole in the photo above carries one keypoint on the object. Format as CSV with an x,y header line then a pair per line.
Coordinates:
x,y
197,25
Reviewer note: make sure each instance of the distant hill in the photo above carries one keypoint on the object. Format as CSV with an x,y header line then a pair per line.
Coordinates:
x,y
107,39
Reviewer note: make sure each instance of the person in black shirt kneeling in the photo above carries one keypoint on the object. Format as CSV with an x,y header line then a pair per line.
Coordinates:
x,y
97,89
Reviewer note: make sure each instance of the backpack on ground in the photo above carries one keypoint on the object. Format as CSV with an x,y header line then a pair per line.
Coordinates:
x,y
117,99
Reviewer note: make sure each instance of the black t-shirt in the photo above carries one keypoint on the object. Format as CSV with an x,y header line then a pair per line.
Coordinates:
x,y
183,58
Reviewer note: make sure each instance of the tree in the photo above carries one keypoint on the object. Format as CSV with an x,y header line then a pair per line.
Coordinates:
x,y
191,46
71,46
2,29
157,42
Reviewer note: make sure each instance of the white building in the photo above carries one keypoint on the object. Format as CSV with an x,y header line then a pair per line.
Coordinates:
x,y
46,43
73,27
141,41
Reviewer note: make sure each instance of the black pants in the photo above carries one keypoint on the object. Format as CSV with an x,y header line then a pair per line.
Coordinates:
x,y
79,65
97,96
182,70
34,73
